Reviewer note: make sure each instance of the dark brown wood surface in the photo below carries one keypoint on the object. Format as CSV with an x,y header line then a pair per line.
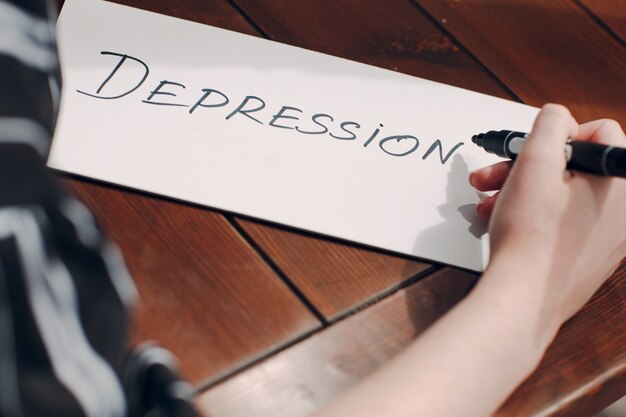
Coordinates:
x,y
611,14
301,379
544,51
236,299
579,375
205,294
391,34
335,277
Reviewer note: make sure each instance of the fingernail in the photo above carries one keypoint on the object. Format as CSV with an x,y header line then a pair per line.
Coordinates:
x,y
472,178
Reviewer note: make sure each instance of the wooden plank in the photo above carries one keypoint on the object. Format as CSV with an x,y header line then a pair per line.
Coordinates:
x,y
545,51
335,277
302,379
205,294
394,35
612,13
391,34
298,381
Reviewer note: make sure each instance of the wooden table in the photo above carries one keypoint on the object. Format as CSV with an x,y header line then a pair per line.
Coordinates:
x,y
271,322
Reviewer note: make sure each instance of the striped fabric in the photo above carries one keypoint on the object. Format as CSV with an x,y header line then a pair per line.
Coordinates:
x,y
65,293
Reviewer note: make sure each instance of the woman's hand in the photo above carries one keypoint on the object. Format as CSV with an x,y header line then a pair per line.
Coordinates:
x,y
555,236
565,231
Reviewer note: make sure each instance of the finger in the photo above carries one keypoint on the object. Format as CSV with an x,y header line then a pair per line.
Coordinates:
x,y
492,177
605,131
546,142
485,207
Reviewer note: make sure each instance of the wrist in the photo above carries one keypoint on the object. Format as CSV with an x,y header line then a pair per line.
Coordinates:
x,y
516,292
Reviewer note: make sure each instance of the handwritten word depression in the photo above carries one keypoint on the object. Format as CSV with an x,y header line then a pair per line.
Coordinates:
x,y
251,107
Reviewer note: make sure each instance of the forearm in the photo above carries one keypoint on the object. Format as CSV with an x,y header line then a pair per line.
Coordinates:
x,y
466,364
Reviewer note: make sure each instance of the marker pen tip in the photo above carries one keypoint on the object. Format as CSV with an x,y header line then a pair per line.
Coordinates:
x,y
477,139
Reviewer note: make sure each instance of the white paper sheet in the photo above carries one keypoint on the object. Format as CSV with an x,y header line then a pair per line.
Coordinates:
x,y
347,185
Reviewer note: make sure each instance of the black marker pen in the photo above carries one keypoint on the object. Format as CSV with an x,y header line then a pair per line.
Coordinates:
x,y
590,157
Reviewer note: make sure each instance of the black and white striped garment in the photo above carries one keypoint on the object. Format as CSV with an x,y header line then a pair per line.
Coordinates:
x,y
65,293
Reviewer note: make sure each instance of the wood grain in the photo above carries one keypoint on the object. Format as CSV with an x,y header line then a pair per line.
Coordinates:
x,y
335,277
391,34
612,13
205,294
394,35
303,378
544,51
578,372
